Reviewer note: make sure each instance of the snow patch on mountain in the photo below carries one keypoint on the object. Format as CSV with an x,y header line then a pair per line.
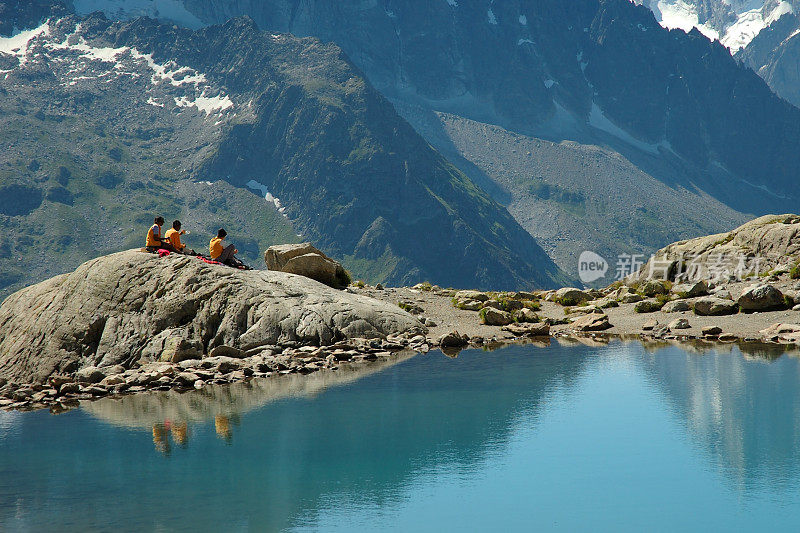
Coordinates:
x,y
74,60
749,18
256,186
683,16
17,45
171,10
207,104
750,23
598,119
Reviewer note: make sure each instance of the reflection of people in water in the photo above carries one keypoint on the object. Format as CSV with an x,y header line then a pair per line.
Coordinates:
x,y
180,434
222,425
161,439
162,432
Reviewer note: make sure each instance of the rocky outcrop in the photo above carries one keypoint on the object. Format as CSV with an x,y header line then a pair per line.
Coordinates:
x,y
305,260
757,247
134,307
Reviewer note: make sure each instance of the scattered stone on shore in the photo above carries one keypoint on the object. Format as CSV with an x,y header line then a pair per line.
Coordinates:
x,y
226,351
780,332
591,322
713,306
453,340
410,307
528,330
711,331
604,303
569,296
527,315
653,288
495,317
631,298
676,306
690,290
650,325
648,306
761,297
470,300
679,323
89,374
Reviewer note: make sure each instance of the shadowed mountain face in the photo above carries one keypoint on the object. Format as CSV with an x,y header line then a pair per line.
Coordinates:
x,y
673,107
135,118
519,62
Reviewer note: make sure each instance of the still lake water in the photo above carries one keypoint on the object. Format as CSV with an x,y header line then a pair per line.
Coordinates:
x,y
591,438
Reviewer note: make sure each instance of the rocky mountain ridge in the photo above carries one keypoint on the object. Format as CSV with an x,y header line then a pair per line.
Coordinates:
x,y
598,73
157,117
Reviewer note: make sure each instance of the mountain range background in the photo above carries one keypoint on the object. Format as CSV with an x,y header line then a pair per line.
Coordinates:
x,y
469,143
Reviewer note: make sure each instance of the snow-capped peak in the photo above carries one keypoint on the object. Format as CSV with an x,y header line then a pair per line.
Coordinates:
x,y
732,22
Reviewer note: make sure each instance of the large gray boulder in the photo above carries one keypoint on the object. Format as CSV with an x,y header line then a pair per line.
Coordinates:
x,y
761,297
134,306
571,296
306,260
713,306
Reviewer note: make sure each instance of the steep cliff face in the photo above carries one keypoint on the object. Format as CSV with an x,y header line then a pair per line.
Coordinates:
x,y
139,117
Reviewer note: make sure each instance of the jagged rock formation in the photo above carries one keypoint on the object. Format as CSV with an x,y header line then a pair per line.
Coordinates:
x,y
130,307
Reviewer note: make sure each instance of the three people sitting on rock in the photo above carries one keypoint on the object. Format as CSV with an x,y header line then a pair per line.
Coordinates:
x,y
224,254
171,242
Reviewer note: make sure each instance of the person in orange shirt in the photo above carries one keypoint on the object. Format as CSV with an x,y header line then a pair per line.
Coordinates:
x,y
173,236
155,241
224,254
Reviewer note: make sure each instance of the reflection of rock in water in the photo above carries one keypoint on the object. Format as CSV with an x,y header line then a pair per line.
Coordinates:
x,y
742,409
221,402
360,444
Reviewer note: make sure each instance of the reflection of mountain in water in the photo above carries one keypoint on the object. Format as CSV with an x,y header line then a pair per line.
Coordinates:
x,y
743,410
364,442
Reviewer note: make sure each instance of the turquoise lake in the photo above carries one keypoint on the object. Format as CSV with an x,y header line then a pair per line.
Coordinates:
x,y
617,437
